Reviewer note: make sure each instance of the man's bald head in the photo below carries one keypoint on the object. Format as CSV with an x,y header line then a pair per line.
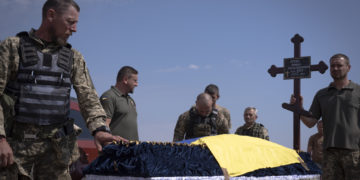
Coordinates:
x,y
204,104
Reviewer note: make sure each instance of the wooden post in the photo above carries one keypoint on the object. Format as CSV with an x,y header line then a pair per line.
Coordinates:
x,y
296,108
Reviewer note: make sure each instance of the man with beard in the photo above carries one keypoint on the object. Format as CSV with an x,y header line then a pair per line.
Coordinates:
x,y
339,106
37,70
120,108
201,120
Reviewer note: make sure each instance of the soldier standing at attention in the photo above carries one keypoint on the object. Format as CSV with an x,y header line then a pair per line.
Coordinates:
x,y
120,108
201,120
37,69
213,91
251,128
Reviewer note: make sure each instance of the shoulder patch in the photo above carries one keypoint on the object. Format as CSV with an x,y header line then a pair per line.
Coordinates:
x,y
132,102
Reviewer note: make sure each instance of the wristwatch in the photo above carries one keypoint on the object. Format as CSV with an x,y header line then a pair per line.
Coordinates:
x,y
101,128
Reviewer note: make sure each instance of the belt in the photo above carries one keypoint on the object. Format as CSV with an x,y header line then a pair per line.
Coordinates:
x,y
30,132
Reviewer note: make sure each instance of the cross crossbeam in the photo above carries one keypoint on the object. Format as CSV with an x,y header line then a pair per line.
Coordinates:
x,y
296,108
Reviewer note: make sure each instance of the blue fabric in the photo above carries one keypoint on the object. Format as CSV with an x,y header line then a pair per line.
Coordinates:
x,y
294,169
154,160
188,141
168,160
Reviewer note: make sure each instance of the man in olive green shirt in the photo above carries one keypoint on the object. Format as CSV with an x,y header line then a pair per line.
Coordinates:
x,y
120,108
339,107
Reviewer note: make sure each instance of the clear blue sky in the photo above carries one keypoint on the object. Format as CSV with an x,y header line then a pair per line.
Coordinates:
x,y
180,46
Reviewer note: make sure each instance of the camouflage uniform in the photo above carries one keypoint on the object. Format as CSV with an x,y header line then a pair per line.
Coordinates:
x,y
183,126
46,155
349,160
75,153
316,146
256,130
225,112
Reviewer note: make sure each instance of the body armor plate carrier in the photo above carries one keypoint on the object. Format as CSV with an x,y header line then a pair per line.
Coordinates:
x,y
43,85
201,126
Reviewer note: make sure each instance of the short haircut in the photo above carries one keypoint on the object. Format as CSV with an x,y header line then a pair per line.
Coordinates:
x,y
339,55
60,6
251,108
203,99
125,71
212,89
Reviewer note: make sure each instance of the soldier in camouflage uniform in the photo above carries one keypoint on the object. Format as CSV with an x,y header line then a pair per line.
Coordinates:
x,y
37,70
201,120
315,145
251,128
339,107
213,91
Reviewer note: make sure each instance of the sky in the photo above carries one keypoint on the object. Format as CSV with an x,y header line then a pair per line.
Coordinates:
x,y
181,46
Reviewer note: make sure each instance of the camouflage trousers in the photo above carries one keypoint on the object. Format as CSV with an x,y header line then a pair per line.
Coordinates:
x,y
341,164
39,157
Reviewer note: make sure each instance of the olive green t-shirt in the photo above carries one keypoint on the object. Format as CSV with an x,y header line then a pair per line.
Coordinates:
x,y
340,112
121,109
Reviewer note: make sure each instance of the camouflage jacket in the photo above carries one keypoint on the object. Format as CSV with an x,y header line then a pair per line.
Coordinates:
x,y
257,130
88,99
225,112
315,147
197,130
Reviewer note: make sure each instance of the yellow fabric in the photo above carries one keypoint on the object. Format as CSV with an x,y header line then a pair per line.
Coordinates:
x,y
242,154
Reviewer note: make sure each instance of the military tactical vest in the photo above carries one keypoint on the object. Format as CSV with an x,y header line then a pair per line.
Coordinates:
x,y
43,85
255,131
199,126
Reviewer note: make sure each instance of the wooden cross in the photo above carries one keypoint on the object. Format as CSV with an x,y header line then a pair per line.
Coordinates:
x,y
296,108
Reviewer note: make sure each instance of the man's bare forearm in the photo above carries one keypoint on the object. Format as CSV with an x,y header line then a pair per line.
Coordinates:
x,y
308,121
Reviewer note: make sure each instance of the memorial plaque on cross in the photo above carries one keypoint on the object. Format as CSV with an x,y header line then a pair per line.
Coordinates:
x,y
297,68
